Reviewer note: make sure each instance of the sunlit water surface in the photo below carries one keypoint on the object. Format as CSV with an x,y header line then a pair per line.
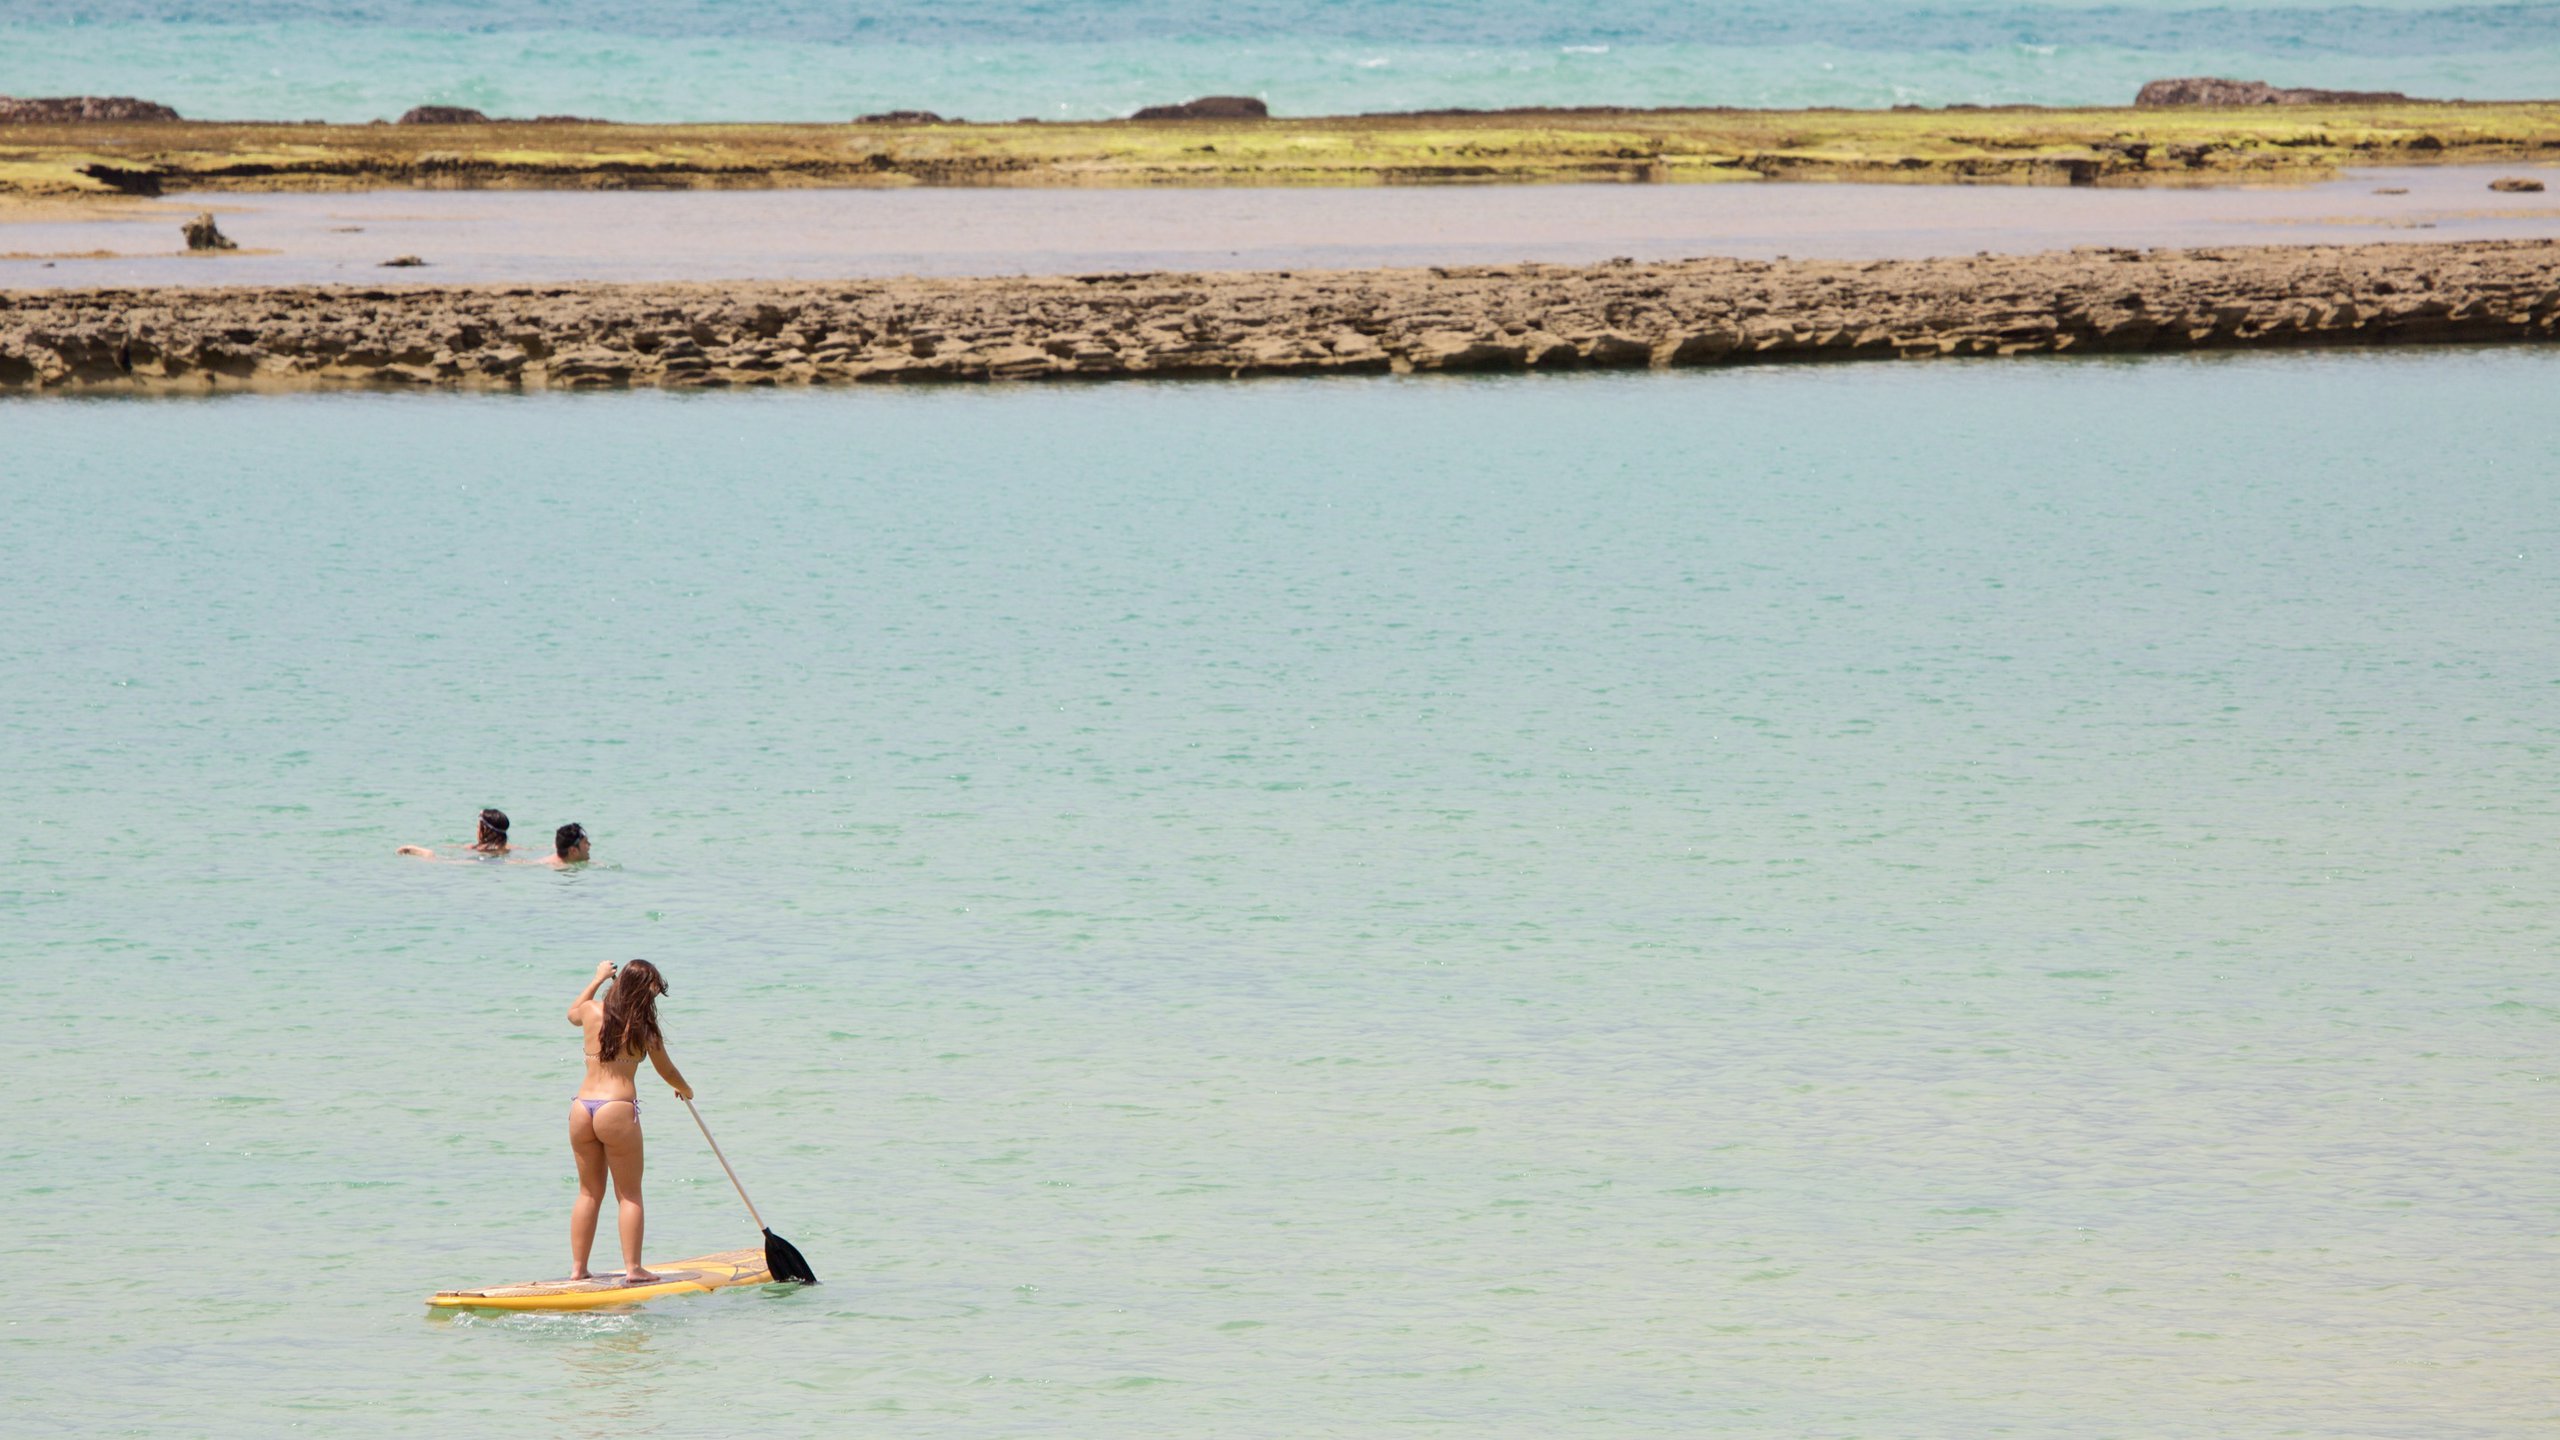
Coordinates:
x,y
543,236
1939,900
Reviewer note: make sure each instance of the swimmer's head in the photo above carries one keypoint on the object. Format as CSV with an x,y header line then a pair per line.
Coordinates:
x,y
493,827
570,842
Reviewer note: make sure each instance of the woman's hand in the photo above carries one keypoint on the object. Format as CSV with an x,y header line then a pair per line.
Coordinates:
x,y
683,1091
586,997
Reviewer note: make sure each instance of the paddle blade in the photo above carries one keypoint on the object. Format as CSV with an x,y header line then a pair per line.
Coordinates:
x,y
783,1259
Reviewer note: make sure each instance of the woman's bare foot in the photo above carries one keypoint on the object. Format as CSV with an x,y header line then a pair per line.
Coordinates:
x,y
581,1273
638,1276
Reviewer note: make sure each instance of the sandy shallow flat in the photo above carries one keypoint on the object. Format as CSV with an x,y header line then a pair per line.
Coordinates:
x,y
543,236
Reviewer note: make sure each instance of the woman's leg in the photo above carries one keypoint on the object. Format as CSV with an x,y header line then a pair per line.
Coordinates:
x,y
591,1170
618,1126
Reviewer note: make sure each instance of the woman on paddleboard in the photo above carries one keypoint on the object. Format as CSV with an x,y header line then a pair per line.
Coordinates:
x,y
604,1121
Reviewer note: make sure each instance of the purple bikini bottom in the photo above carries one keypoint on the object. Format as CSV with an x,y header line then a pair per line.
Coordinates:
x,y
595,1105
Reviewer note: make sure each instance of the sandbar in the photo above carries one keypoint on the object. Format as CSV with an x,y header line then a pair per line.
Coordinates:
x,y
476,237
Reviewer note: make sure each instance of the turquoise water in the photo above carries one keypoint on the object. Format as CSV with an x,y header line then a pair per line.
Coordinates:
x,y
1083,59
1905,901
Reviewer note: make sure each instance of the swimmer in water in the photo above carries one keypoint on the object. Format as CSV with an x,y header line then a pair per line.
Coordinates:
x,y
492,841
604,1119
570,846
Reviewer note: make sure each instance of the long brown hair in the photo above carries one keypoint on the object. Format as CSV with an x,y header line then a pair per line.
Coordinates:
x,y
631,1011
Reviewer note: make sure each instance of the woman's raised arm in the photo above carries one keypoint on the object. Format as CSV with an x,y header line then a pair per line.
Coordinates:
x,y
604,972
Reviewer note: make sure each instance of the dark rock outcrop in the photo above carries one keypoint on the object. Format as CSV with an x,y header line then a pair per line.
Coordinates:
x,y
203,234
902,117
1209,107
2514,185
2214,93
122,180
444,115
79,109
401,262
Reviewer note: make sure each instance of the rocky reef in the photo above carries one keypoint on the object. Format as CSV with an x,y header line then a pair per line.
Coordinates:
x,y
1512,317
2216,93
1208,107
441,115
80,110
465,115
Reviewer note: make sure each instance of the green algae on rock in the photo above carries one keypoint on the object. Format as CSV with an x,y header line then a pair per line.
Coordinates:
x,y
2020,145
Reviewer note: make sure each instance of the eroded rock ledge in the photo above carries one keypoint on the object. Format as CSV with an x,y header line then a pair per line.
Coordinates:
x,y
1696,312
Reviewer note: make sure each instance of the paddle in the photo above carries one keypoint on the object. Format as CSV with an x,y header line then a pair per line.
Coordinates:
x,y
780,1255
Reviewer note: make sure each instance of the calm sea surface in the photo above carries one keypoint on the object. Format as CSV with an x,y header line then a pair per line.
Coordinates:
x,y
1080,59
1945,900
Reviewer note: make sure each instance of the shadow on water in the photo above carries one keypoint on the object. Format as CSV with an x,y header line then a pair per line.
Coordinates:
x,y
610,1389
608,1361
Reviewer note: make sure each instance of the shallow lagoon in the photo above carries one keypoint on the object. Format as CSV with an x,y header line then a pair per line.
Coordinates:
x,y
473,237
1908,900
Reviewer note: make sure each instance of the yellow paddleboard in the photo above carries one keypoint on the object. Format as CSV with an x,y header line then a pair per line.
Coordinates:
x,y
697,1276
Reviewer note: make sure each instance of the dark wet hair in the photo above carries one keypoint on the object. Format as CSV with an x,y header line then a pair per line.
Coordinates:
x,y
567,835
631,1011
493,825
